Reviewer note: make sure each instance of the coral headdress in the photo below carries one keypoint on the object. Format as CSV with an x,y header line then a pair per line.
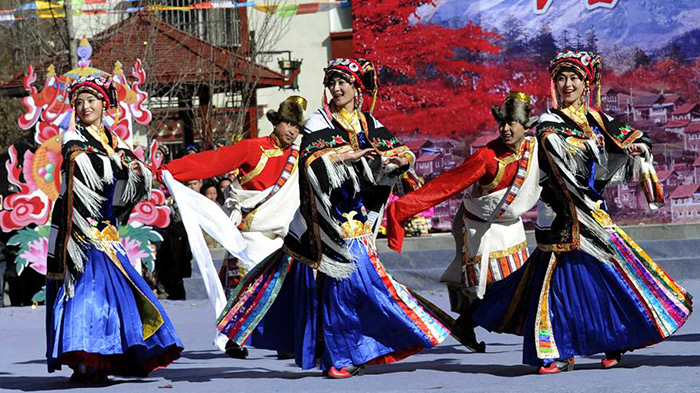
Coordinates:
x,y
99,86
360,72
587,65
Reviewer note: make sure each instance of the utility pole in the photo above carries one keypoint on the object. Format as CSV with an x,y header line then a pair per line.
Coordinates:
x,y
72,44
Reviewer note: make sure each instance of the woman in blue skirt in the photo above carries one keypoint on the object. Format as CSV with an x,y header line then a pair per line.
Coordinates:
x,y
102,318
588,288
326,294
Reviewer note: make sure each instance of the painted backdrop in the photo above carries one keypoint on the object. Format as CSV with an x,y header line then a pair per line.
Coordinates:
x,y
444,63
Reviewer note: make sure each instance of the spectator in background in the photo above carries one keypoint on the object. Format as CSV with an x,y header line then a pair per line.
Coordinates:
x,y
212,191
223,183
195,184
173,260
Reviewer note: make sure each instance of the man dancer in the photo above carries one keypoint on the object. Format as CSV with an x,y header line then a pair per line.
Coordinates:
x,y
264,196
501,182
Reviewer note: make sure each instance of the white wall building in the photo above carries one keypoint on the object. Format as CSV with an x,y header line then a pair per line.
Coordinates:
x,y
308,37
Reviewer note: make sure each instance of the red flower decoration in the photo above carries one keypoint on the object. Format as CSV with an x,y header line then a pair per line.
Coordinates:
x,y
22,210
121,129
153,211
45,132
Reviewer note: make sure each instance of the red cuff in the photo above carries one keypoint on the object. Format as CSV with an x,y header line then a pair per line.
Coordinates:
x,y
394,229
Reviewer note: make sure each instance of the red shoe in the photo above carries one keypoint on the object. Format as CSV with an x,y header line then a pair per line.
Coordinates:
x,y
345,372
611,360
557,367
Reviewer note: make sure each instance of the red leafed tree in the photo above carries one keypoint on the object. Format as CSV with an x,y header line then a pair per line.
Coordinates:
x,y
435,79
662,75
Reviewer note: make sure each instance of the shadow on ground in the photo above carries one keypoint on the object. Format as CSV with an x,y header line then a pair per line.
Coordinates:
x,y
209,374
40,384
692,337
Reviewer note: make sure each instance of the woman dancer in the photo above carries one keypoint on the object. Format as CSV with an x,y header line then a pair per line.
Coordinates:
x,y
588,288
102,318
326,293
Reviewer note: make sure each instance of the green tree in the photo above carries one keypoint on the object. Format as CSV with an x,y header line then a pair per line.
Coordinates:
x,y
513,36
675,53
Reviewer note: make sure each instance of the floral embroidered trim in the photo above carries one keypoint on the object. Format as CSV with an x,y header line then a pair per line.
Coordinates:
x,y
324,144
545,344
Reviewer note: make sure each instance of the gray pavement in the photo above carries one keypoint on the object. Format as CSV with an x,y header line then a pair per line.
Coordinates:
x,y
671,366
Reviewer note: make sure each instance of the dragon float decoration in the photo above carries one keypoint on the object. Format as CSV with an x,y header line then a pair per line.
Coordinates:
x,y
48,112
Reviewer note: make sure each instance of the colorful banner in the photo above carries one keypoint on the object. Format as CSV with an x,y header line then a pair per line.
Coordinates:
x,y
45,9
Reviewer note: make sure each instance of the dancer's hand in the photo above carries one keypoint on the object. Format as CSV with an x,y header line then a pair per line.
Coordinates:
x,y
353,156
600,141
137,169
635,149
399,161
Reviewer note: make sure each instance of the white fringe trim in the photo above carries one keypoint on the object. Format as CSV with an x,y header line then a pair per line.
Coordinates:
x,y
82,224
352,175
325,199
338,172
368,171
90,199
344,252
90,176
108,177
147,178
335,269
325,216
117,160
131,189
69,285
77,255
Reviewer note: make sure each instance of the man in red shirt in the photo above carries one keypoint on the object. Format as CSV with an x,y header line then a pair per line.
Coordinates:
x,y
502,183
264,194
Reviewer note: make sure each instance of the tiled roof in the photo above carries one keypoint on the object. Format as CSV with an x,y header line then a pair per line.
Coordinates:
x,y
663,175
179,56
685,108
684,191
645,101
672,98
416,145
427,157
692,128
483,140
677,123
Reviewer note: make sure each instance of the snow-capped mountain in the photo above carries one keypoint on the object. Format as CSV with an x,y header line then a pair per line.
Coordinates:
x,y
648,24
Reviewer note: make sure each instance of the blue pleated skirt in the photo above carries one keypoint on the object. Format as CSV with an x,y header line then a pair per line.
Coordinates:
x,y
580,306
101,325
370,318
365,318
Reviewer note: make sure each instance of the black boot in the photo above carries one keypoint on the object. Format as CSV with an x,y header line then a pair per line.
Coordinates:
x,y
465,334
235,351
284,355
